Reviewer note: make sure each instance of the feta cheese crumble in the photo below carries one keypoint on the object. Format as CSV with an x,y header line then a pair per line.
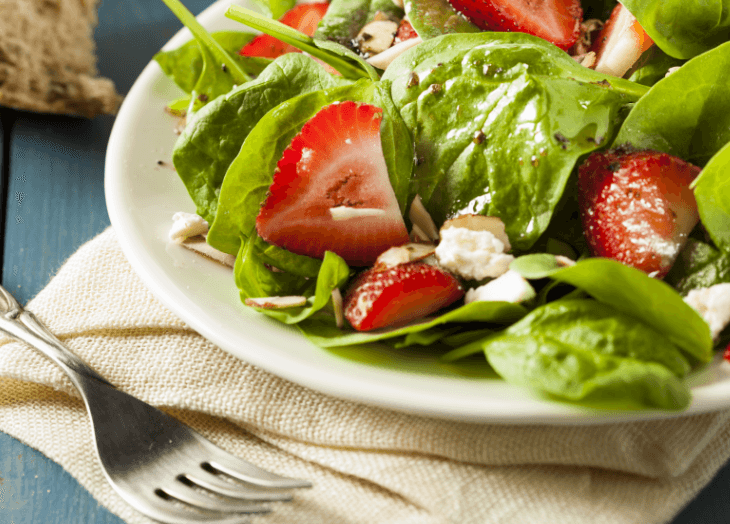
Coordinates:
x,y
186,225
713,305
510,287
473,255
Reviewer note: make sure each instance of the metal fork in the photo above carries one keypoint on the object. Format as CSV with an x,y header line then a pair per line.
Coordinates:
x,y
160,466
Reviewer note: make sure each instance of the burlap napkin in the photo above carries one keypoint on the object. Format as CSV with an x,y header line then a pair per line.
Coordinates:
x,y
368,465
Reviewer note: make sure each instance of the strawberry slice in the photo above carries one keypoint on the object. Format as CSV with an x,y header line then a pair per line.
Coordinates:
x,y
637,207
557,21
331,190
302,17
620,43
405,32
380,298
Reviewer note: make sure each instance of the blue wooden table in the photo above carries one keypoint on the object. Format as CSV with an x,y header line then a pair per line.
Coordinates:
x,y
52,200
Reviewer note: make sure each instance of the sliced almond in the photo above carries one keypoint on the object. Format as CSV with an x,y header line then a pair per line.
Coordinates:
x,y
200,246
338,308
276,302
481,223
422,219
346,213
383,60
398,255
564,261
376,36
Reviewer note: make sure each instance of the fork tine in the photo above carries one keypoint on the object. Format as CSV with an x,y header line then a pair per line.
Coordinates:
x,y
165,510
242,470
236,490
188,495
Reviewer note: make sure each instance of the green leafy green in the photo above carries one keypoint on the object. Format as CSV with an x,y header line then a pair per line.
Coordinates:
x,y
251,173
499,121
631,292
209,144
687,114
341,58
254,279
220,70
653,66
345,18
699,264
333,274
324,333
275,8
185,64
712,192
683,29
432,18
582,349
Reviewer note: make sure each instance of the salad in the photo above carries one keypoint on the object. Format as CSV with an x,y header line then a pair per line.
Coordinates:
x,y
544,184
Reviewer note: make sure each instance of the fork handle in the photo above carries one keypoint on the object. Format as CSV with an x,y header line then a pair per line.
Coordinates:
x,y
23,325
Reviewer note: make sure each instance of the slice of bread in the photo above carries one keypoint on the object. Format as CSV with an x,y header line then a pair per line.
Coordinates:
x,y
48,61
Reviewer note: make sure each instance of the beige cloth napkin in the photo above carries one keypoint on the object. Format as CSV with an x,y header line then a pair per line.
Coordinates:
x,y
368,465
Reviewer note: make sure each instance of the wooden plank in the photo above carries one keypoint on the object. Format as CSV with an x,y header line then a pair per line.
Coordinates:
x,y
35,490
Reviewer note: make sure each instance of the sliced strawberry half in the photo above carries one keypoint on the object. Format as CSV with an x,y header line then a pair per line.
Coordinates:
x,y
405,32
557,21
380,298
331,190
620,43
302,17
637,207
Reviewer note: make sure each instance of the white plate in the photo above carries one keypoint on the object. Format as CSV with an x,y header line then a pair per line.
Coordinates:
x,y
142,197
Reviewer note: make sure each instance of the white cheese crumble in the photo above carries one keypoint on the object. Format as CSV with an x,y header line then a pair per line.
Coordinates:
x,y
473,255
713,305
186,225
510,287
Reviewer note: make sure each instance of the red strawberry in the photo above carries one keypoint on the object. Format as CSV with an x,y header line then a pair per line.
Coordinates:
x,y
331,190
620,43
399,295
302,17
557,21
637,207
405,31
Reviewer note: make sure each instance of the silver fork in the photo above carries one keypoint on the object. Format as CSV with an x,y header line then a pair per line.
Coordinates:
x,y
160,466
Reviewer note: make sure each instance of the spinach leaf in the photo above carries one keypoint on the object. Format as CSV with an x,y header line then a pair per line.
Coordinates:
x,y
287,261
631,292
683,29
251,173
432,18
324,333
345,18
185,64
349,64
653,66
333,274
209,144
712,192
582,349
220,70
275,8
699,265
254,279
499,121
687,114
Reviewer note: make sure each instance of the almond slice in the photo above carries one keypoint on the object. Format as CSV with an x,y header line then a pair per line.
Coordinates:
x,y
422,220
376,36
338,308
398,255
276,302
